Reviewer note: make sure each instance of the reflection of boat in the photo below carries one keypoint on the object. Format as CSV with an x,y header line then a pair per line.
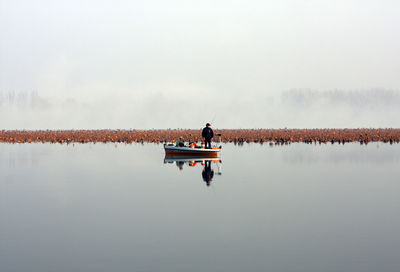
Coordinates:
x,y
188,159
172,150
207,173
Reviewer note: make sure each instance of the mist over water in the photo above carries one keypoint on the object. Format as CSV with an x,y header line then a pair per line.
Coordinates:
x,y
240,64
294,108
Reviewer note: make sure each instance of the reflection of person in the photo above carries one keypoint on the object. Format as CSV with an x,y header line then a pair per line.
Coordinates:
x,y
207,135
207,173
180,164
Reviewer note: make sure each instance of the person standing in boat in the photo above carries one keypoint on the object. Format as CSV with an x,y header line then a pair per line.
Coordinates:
x,y
207,135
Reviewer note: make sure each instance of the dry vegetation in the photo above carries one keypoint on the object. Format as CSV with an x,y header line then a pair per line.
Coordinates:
x,y
237,136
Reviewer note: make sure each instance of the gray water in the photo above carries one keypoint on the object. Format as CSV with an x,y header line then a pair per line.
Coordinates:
x,y
105,207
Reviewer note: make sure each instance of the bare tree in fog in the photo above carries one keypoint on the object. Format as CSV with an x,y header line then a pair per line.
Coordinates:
x,y
24,99
376,98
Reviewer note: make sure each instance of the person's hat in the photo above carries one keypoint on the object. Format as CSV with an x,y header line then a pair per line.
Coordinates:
x,y
208,124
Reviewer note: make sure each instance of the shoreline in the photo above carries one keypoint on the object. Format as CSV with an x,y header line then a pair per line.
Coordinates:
x,y
237,136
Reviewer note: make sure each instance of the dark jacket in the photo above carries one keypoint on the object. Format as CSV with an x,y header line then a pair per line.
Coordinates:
x,y
207,133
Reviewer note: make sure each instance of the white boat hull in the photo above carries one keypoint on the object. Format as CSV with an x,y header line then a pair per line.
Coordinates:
x,y
171,150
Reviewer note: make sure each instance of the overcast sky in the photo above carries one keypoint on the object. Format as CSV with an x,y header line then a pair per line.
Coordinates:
x,y
178,64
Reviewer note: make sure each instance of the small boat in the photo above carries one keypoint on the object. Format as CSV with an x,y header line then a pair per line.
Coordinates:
x,y
172,150
189,159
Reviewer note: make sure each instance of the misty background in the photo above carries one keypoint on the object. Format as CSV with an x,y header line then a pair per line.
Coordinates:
x,y
178,64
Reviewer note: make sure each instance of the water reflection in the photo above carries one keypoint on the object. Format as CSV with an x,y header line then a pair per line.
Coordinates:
x,y
293,208
209,165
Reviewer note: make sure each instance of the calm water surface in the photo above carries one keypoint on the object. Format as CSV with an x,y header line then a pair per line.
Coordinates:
x,y
123,208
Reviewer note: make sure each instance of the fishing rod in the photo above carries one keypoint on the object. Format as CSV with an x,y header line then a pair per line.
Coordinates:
x,y
218,134
212,121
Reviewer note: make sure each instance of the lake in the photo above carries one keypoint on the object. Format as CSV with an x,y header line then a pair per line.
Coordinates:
x,y
106,207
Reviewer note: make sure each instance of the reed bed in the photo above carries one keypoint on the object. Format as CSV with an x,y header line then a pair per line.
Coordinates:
x,y
237,136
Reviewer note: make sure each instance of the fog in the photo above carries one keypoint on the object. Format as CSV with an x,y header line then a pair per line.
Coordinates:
x,y
177,64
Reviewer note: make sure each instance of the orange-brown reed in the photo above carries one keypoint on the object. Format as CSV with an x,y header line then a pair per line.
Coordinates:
x,y
237,136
